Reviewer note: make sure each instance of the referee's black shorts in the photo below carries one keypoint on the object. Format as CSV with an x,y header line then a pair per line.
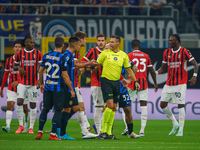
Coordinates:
x,y
110,89
53,99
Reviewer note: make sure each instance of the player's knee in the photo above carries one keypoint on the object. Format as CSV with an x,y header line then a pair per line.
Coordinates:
x,y
20,101
32,105
163,105
181,105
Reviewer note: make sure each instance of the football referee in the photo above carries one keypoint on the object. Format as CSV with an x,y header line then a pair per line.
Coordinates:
x,y
112,60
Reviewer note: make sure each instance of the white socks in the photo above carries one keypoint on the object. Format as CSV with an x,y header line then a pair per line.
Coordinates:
x,y
124,118
170,116
33,113
82,121
8,117
20,114
181,118
87,123
143,118
97,118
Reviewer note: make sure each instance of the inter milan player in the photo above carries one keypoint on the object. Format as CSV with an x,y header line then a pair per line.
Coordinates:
x,y
53,90
175,60
71,105
92,54
27,61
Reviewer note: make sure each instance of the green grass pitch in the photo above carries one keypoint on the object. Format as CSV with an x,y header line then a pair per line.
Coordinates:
x,y
156,137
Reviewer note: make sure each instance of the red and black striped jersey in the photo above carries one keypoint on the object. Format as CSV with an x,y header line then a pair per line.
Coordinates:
x,y
177,65
9,66
29,61
76,73
142,61
92,54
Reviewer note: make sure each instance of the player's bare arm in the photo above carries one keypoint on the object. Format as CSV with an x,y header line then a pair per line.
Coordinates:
x,y
68,82
162,68
85,64
132,75
194,77
135,69
153,75
40,83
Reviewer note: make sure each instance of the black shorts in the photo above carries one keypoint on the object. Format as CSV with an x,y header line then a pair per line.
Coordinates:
x,y
124,100
110,89
69,102
53,99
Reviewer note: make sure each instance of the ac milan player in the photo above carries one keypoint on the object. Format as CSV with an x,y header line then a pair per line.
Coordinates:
x,y
142,62
92,54
11,91
175,60
27,62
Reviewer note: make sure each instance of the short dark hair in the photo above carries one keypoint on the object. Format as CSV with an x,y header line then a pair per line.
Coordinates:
x,y
24,40
16,43
135,43
72,40
59,41
101,35
80,34
116,37
177,37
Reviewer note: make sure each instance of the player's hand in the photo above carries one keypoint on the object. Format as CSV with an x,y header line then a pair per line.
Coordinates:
x,y
93,63
193,81
1,93
14,84
38,84
137,85
22,71
72,94
42,88
125,82
155,87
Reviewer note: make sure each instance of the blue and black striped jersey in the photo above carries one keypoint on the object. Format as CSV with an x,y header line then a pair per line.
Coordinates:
x,y
69,64
53,62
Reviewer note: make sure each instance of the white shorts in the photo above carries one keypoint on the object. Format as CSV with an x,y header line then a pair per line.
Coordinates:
x,y
78,94
97,96
11,96
142,94
31,91
174,94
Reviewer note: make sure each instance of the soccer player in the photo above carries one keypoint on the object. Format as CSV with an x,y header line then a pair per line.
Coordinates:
x,y
143,62
80,114
54,63
125,103
27,61
71,105
175,60
11,91
92,54
112,60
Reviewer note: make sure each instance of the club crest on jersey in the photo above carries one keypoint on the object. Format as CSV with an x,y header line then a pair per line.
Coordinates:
x,y
115,58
